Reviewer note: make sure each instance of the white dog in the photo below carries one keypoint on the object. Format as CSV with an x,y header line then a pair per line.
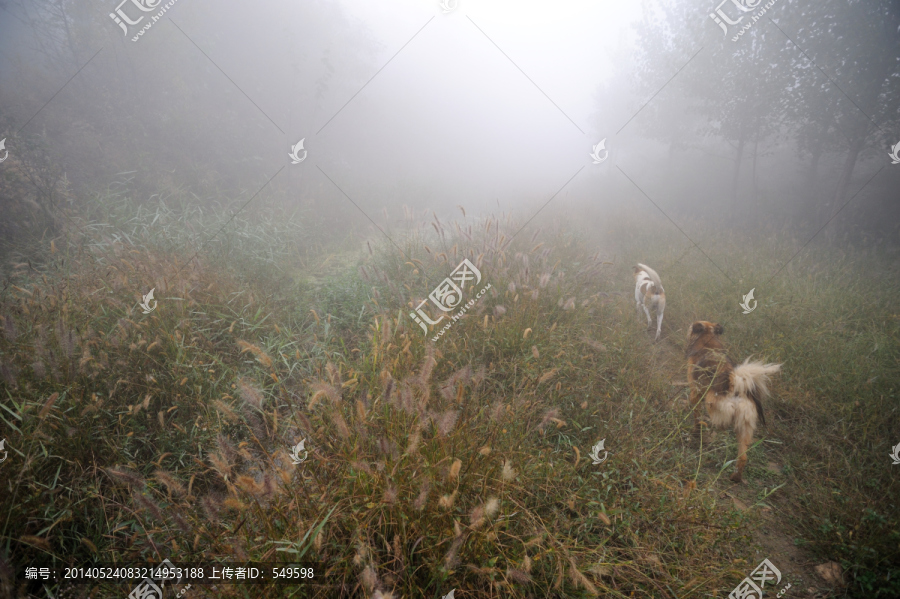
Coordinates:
x,y
649,293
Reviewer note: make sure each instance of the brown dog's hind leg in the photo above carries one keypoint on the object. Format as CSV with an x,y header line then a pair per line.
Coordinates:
x,y
695,408
744,437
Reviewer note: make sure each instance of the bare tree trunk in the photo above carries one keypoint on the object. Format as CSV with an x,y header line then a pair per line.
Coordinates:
x,y
843,184
877,75
753,168
64,18
840,195
810,204
737,170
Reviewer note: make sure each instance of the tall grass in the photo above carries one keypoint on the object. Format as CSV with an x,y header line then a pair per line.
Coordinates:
x,y
432,466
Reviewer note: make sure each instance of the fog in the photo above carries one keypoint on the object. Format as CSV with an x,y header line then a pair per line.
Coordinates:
x,y
487,104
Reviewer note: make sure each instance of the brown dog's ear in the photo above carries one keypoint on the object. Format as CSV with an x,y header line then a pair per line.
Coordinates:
x,y
719,329
698,328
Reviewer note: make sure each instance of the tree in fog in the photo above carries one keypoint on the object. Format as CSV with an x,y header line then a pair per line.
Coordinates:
x,y
766,88
163,109
857,45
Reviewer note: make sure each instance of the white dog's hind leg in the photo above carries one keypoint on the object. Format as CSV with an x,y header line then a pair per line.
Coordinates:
x,y
660,308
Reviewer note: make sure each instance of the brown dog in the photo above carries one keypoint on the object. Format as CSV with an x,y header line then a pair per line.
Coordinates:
x,y
732,393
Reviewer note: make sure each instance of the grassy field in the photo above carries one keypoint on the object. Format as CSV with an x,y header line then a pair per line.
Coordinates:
x,y
457,464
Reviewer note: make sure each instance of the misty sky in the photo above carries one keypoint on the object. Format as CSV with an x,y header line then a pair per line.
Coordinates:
x,y
565,47
449,114
491,102
453,106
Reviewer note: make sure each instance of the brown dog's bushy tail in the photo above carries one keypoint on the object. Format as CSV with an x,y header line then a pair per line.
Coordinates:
x,y
751,379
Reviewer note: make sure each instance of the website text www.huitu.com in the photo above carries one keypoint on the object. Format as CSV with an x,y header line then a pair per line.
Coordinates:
x,y
154,19
756,17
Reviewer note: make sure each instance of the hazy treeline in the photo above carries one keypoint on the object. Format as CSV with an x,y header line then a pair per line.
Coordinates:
x,y
783,125
807,98
158,111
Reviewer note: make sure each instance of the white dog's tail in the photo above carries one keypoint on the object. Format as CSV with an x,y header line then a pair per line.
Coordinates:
x,y
751,379
653,277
